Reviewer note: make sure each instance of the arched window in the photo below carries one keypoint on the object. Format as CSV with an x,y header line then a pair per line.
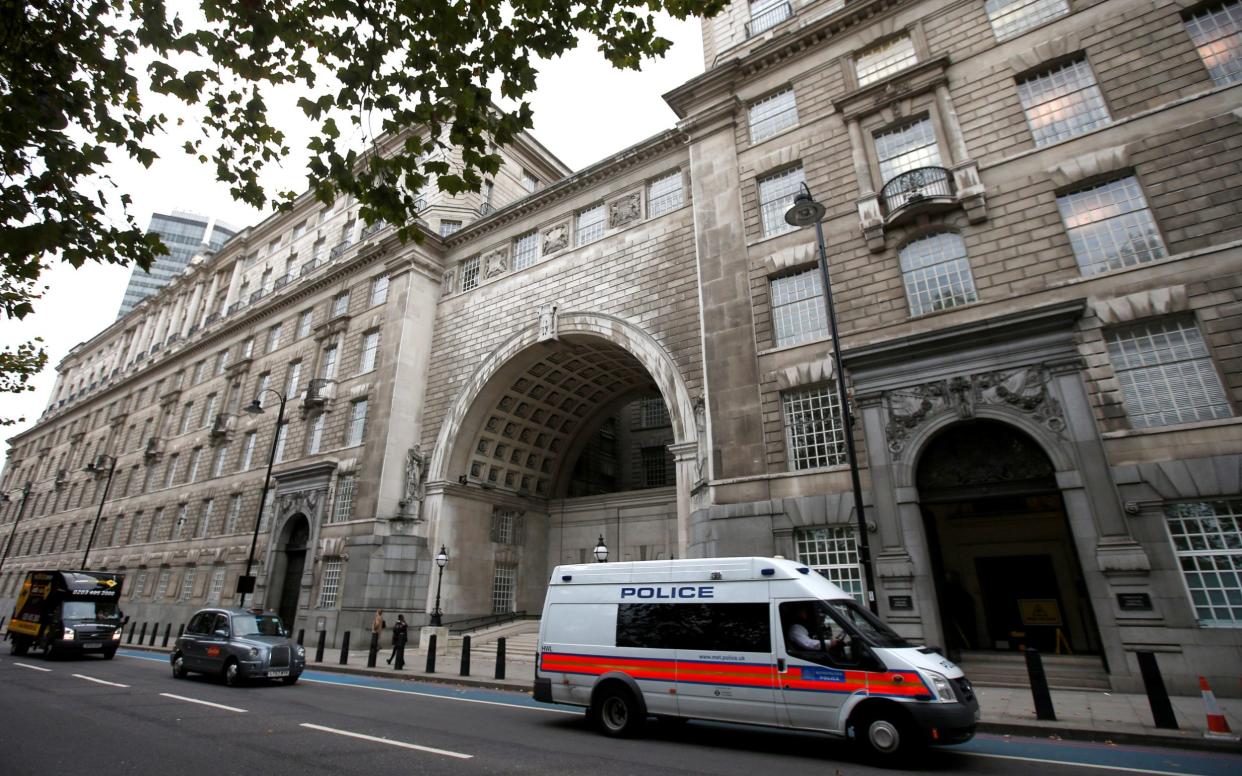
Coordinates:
x,y
936,273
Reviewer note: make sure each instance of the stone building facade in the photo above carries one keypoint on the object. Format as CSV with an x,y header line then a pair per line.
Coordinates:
x,y
1034,234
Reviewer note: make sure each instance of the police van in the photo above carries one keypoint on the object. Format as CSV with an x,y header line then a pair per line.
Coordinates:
x,y
764,641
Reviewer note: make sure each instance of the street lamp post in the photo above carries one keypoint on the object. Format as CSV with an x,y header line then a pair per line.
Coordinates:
x,y
245,584
601,551
803,212
96,469
21,510
437,616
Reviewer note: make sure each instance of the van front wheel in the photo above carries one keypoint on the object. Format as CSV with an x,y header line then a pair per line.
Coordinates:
x,y
885,735
616,712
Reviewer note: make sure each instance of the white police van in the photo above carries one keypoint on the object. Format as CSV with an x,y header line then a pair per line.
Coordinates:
x,y
711,639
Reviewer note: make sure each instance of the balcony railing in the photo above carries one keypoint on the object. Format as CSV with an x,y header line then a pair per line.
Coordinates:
x,y
223,424
339,249
766,18
924,185
282,281
235,307
257,295
371,229
309,267
485,208
319,391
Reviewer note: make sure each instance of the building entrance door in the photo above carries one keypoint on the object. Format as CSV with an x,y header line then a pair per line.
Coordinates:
x,y
291,562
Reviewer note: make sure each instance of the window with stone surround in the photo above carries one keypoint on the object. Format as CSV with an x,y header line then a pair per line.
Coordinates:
x,y
470,274
247,456
766,14
314,439
448,226
590,224
655,466
370,347
907,147
664,194
505,523
833,553
936,273
273,338
340,305
304,323
379,290
204,518
343,503
329,583
772,114
529,182
196,458
1216,32
356,430
776,194
209,410
1014,17
504,589
328,367
813,430
216,588
294,379
884,58
1166,373
1062,102
652,413
282,434
170,473
1110,226
1207,540
183,514
231,522
187,584
798,311
525,250
161,587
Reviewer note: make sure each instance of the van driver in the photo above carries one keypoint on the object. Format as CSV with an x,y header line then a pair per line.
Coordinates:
x,y
798,635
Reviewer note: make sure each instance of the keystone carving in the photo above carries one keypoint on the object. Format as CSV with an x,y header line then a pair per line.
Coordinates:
x,y
549,321
624,210
555,238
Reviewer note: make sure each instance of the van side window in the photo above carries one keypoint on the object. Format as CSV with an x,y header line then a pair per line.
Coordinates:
x,y
720,627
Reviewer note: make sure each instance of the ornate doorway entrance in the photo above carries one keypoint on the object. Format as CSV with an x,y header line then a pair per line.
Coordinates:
x,y
1006,570
287,571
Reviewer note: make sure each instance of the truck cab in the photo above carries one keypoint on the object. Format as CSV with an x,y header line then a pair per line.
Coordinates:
x,y
68,612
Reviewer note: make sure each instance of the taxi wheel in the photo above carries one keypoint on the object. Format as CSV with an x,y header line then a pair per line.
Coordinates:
x,y
293,679
617,713
178,666
232,674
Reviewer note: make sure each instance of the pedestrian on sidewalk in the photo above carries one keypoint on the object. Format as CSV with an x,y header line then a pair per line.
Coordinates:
x,y
399,629
379,623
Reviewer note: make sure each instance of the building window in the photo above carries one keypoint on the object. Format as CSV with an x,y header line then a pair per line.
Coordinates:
x,y
340,305
357,423
329,583
247,347
529,182
196,457
664,194
776,194
281,435
140,586
1217,33
209,410
273,338
217,587
906,148
470,274
1207,540
187,413
217,466
1062,102
813,429
504,523
590,224
772,114
247,456
315,437
170,473
379,290
161,587
157,526
230,523
200,371
222,361
1110,227
304,323
766,14
1012,17
328,370
343,505
883,59
798,311
370,347
936,273
178,529
525,250
655,467
1166,373
295,377
204,518
187,584
504,589
834,554
652,413
448,227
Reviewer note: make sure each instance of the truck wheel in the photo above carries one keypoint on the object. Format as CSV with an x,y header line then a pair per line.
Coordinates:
x,y
19,646
885,735
178,666
232,673
616,712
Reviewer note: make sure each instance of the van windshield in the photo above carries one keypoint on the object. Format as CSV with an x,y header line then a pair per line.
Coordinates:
x,y
866,624
89,610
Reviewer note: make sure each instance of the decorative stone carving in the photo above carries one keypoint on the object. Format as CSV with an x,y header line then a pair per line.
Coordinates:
x,y
1143,304
1024,389
625,210
555,238
415,478
303,501
806,373
549,319
496,262
449,282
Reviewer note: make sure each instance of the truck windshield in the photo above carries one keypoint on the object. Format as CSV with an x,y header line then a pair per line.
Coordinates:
x,y
866,624
257,625
89,610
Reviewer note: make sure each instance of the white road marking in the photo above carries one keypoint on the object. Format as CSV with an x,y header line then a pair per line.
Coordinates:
x,y
388,741
1075,765
441,697
204,703
34,668
100,681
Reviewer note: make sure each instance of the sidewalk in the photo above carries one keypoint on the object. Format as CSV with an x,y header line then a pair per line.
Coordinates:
x,y
1081,715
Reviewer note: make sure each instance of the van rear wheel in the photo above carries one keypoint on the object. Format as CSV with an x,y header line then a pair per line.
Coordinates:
x,y
617,713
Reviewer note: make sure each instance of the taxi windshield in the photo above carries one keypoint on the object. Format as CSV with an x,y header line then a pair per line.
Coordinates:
x,y
89,610
257,625
866,624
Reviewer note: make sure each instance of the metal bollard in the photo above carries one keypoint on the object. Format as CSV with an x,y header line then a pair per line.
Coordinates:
x,y
323,639
133,626
155,629
431,654
500,658
1039,686
167,634
301,635
1157,696
374,650
345,648
465,656
142,635
181,630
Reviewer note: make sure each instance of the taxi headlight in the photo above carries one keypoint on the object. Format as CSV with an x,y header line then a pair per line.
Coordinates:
x,y
68,634
942,686
254,651
301,650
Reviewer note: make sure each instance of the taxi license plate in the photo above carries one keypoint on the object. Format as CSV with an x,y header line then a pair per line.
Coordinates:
x,y
92,645
284,672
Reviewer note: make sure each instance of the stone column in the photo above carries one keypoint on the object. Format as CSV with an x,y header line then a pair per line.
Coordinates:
x,y
160,332
686,461
132,351
193,313
234,284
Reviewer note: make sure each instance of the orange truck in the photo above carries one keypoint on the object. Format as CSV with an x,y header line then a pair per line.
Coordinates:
x,y
67,612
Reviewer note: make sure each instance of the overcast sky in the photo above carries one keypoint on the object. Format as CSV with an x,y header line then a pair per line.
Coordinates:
x,y
584,110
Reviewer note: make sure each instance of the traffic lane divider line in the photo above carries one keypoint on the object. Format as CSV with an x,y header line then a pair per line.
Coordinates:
x,y
204,703
1068,764
389,741
101,681
438,696
33,668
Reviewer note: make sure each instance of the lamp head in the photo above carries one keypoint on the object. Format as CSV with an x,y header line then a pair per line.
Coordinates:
x,y
254,408
601,550
805,210
442,557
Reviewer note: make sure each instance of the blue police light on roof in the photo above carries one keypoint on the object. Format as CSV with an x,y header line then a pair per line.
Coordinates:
x,y
768,572
803,570
566,577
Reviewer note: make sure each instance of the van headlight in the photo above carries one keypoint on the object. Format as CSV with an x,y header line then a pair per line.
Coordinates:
x,y
68,634
116,635
942,686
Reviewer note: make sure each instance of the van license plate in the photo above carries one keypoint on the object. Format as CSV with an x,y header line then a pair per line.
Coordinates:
x,y
278,673
92,645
